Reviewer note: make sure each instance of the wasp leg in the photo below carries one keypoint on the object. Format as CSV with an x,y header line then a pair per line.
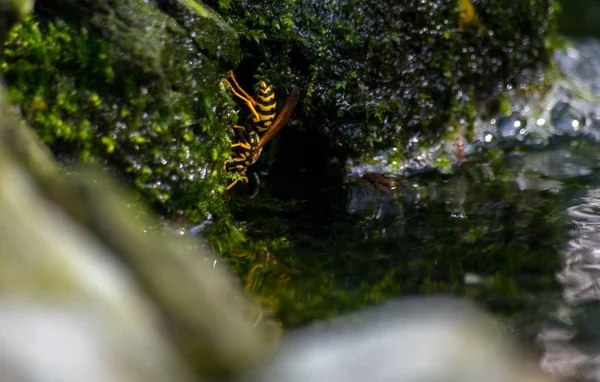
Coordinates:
x,y
247,96
239,127
234,160
249,101
242,145
231,185
234,182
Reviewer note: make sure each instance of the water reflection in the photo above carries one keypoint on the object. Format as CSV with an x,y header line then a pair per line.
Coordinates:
x,y
495,231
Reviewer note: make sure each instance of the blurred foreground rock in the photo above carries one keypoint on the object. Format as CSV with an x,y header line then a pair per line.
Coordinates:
x,y
87,294
433,339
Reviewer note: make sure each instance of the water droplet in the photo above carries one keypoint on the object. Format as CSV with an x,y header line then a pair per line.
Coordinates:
x,y
488,137
511,127
566,119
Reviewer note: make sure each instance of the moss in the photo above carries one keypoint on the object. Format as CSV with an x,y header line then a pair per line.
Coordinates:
x,y
205,24
376,74
141,99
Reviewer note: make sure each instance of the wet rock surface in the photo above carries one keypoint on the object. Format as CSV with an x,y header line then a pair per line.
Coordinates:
x,y
567,110
381,76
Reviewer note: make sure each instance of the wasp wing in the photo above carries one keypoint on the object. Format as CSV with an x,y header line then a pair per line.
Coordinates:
x,y
281,120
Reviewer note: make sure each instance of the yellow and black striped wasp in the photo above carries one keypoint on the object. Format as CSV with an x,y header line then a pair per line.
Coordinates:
x,y
260,127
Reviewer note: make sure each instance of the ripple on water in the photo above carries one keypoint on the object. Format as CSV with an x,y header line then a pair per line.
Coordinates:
x,y
593,132
571,346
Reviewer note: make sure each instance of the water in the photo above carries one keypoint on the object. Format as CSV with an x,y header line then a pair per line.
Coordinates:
x,y
572,344
516,227
519,233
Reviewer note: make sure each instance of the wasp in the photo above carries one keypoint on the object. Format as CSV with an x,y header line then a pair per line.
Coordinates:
x,y
261,125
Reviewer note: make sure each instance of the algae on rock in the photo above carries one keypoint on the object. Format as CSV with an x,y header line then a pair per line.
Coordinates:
x,y
125,85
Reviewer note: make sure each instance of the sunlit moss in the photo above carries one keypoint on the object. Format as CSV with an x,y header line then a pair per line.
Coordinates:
x,y
167,134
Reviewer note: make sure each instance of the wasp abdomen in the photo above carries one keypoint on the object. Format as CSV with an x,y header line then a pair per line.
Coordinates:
x,y
265,100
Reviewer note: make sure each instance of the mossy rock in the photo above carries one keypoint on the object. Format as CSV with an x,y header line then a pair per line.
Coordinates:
x,y
129,86
377,75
